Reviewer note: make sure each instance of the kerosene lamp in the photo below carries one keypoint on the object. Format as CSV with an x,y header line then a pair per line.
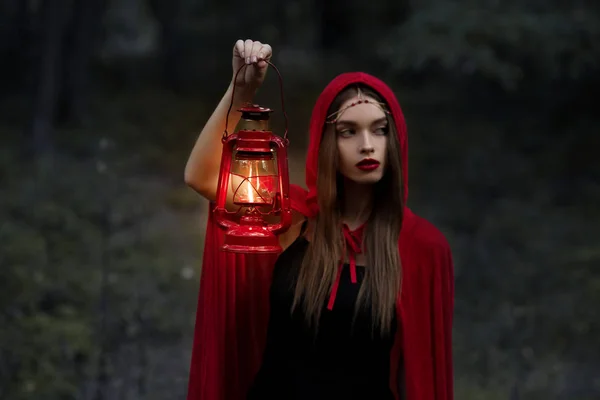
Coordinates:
x,y
254,169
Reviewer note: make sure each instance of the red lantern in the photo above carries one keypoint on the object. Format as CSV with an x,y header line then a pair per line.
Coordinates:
x,y
254,165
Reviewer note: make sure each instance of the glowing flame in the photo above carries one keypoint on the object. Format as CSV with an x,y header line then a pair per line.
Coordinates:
x,y
253,181
248,185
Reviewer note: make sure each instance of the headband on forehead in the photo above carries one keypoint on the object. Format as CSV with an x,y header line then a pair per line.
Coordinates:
x,y
333,118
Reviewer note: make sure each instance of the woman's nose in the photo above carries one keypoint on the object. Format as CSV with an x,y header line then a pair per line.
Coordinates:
x,y
366,145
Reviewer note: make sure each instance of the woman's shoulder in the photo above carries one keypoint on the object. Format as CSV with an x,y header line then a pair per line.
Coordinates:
x,y
423,236
424,250
418,230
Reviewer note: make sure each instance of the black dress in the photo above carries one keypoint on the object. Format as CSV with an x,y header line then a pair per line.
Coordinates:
x,y
340,362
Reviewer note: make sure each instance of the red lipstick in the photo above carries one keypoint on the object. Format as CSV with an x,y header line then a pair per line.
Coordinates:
x,y
367,164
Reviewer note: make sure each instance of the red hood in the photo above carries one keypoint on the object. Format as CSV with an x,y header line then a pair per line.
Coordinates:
x,y
317,123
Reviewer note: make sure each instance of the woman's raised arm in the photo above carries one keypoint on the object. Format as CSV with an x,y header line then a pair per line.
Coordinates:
x,y
202,168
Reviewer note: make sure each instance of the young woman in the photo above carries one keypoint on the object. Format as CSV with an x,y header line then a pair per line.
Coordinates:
x,y
360,303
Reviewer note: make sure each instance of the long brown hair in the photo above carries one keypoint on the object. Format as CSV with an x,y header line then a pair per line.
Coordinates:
x,y
318,271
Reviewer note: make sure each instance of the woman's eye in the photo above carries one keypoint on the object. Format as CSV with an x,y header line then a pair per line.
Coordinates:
x,y
346,132
381,131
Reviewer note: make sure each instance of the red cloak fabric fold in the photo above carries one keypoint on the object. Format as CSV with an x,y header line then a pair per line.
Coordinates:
x,y
233,306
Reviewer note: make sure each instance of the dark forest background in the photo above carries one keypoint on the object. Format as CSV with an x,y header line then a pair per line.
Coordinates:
x,y
101,241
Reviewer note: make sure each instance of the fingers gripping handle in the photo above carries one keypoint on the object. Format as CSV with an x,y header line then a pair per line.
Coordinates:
x,y
225,133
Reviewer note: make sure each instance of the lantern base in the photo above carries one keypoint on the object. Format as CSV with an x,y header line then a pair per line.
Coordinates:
x,y
250,239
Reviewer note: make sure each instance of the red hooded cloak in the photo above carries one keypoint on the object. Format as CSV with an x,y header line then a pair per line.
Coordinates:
x,y
233,308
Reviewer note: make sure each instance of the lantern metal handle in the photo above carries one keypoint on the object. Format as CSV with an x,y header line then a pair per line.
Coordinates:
x,y
225,134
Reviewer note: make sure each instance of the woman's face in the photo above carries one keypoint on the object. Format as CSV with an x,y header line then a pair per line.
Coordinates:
x,y
361,132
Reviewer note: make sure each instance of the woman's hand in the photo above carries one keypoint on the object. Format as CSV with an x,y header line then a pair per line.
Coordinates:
x,y
252,54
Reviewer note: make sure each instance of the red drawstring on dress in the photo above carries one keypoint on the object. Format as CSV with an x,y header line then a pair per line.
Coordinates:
x,y
353,246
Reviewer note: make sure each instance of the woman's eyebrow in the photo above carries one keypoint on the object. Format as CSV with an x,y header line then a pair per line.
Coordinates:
x,y
379,121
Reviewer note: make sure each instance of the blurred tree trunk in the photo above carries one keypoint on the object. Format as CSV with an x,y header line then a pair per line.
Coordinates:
x,y
53,22
15,46
167,13
85,24
335,22
65,43
132,35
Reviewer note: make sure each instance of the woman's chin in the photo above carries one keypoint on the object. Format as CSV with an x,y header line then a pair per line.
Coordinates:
x,y
368,178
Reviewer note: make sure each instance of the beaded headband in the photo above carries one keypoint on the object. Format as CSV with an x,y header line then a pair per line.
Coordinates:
x,y
333,118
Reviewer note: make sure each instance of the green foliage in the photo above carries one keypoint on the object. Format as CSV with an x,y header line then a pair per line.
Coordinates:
x,y
47,322
80,277
501,42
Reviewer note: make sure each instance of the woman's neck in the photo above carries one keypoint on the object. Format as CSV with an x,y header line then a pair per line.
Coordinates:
x,y
358,200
